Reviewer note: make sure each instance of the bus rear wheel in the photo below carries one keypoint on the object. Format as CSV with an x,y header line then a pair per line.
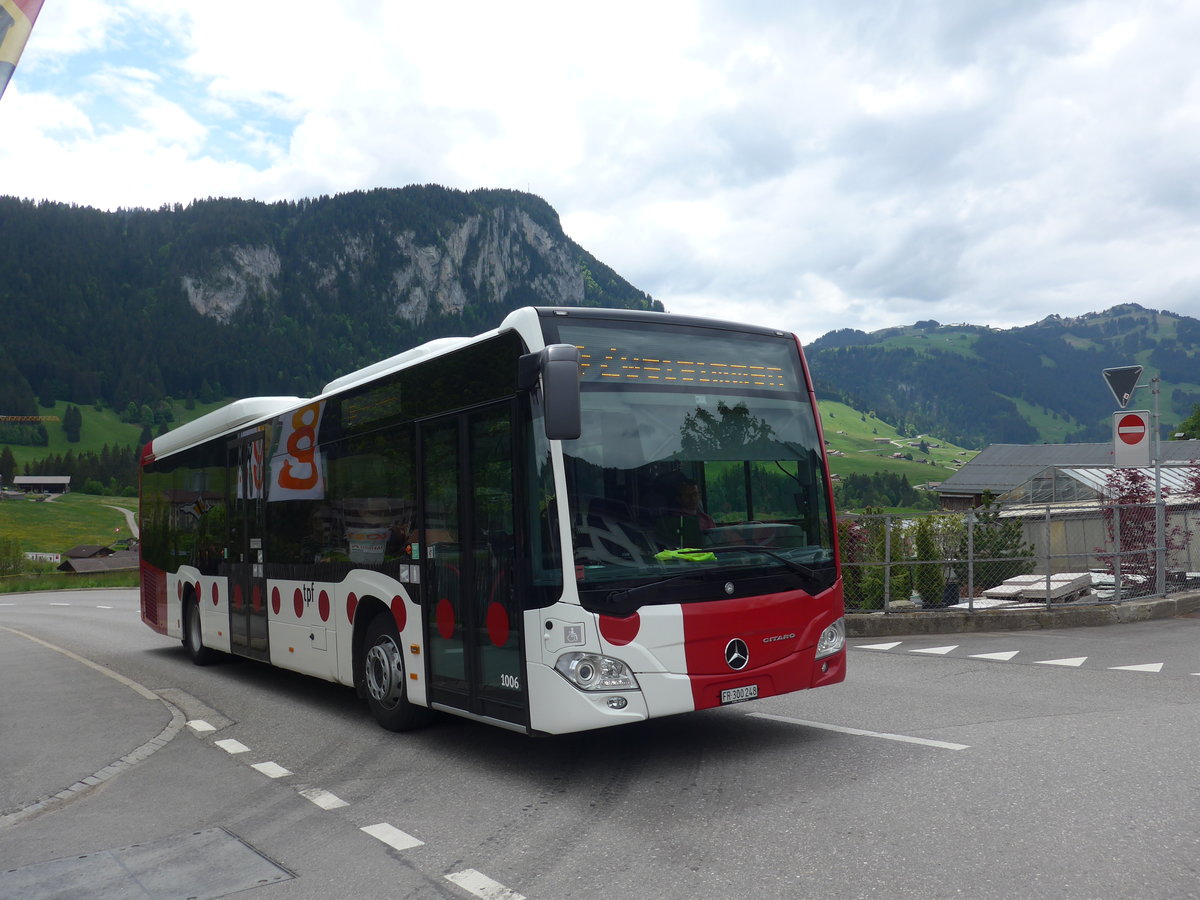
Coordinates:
x,y
383,677
193,637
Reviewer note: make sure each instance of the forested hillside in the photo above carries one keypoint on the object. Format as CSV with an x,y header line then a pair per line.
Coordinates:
x,y
237,298
976,385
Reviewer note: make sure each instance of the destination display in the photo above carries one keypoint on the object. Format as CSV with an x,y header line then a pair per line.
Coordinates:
x,y
713,360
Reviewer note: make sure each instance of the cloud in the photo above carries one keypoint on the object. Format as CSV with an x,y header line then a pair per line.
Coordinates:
x,y
828,164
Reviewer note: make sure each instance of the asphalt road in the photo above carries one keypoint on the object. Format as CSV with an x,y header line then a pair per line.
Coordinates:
x,y
1052,763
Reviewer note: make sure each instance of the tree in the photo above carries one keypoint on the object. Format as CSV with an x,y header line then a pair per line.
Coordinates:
x,y
8,465
1191,425
72,424
929,576
12,560
1129,519
996,546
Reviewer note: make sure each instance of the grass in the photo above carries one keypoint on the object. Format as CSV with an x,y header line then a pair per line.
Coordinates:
x,y
859,437
55,526
67,581
1050,427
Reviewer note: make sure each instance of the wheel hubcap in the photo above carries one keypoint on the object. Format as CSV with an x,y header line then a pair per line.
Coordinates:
x,y
385,672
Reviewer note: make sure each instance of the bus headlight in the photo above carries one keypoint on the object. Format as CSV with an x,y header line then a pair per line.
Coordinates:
x,y
832,639
593,672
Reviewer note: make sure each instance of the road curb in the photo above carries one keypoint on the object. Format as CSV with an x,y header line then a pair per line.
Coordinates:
x,y
961,621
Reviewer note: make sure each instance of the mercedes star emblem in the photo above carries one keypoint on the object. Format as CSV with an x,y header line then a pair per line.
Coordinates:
x,y
737,654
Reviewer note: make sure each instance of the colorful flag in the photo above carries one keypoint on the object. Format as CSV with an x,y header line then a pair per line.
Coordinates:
x,y
16,21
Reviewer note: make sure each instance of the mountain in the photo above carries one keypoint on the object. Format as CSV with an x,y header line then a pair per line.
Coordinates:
x,y
237,298
976,385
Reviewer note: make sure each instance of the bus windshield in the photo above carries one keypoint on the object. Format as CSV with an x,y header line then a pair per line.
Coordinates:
x,y
699,455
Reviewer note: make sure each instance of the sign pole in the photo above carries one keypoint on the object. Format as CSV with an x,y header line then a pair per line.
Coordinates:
x,y
1159,503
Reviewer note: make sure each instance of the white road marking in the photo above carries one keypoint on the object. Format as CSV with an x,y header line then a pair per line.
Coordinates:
x,y
1005,656
1074,661
104,607
323,799
271,769
115,676
60,604
392,836
903,738
940,651
482,886
231,746
200,726
891,646
1145,667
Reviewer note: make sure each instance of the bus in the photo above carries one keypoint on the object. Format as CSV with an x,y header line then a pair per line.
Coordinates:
x,y
582,518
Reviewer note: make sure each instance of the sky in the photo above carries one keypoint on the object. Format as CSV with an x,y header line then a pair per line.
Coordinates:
x,y
805,164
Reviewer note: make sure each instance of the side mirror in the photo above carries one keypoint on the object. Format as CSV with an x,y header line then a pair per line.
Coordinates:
x,y
558,366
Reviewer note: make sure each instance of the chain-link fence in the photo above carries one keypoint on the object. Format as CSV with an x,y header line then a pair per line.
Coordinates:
x,y
1019,556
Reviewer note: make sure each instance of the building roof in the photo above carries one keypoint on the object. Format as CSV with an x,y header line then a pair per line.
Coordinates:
x,y
119,561
88,551
41,479
1002,467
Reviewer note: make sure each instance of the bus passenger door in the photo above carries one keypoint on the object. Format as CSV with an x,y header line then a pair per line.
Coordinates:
x,y
247,586
470,592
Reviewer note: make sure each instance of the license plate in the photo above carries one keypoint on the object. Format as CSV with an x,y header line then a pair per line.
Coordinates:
x,y
738,694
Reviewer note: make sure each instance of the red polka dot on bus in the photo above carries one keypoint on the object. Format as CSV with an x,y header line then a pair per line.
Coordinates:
x,y
216,594
351,607
445,618
298,603
237,597
179,589
199,592
323,606
399,613
276,602
620,632
256,600
497,624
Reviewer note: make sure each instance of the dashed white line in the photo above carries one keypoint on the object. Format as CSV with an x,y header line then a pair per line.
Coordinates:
x,y
105,607
392,836
940,651
323,799
200,726
903,738
229,745
1145,667
271,769
1003,656
1073,661
60,604
482,886
891,646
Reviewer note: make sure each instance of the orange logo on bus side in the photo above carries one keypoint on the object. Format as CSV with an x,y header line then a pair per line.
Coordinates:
x,y
301,447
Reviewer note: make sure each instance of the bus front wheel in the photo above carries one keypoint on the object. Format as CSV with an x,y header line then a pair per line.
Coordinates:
x,y
193,638
383,676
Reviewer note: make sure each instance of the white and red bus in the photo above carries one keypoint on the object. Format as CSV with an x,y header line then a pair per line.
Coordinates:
x,y
582,518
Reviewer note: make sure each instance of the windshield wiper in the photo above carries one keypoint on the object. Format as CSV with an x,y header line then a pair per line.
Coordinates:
x,y
809,573
630,599
626,599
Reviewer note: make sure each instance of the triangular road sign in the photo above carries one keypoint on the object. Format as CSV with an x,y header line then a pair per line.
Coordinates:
x,y
1121,381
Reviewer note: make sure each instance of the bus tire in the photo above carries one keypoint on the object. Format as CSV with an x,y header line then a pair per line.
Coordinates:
x,y
193,638
383,677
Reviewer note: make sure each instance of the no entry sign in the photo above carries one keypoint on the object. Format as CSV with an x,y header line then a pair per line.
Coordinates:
x,y
1131,428
1131,438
